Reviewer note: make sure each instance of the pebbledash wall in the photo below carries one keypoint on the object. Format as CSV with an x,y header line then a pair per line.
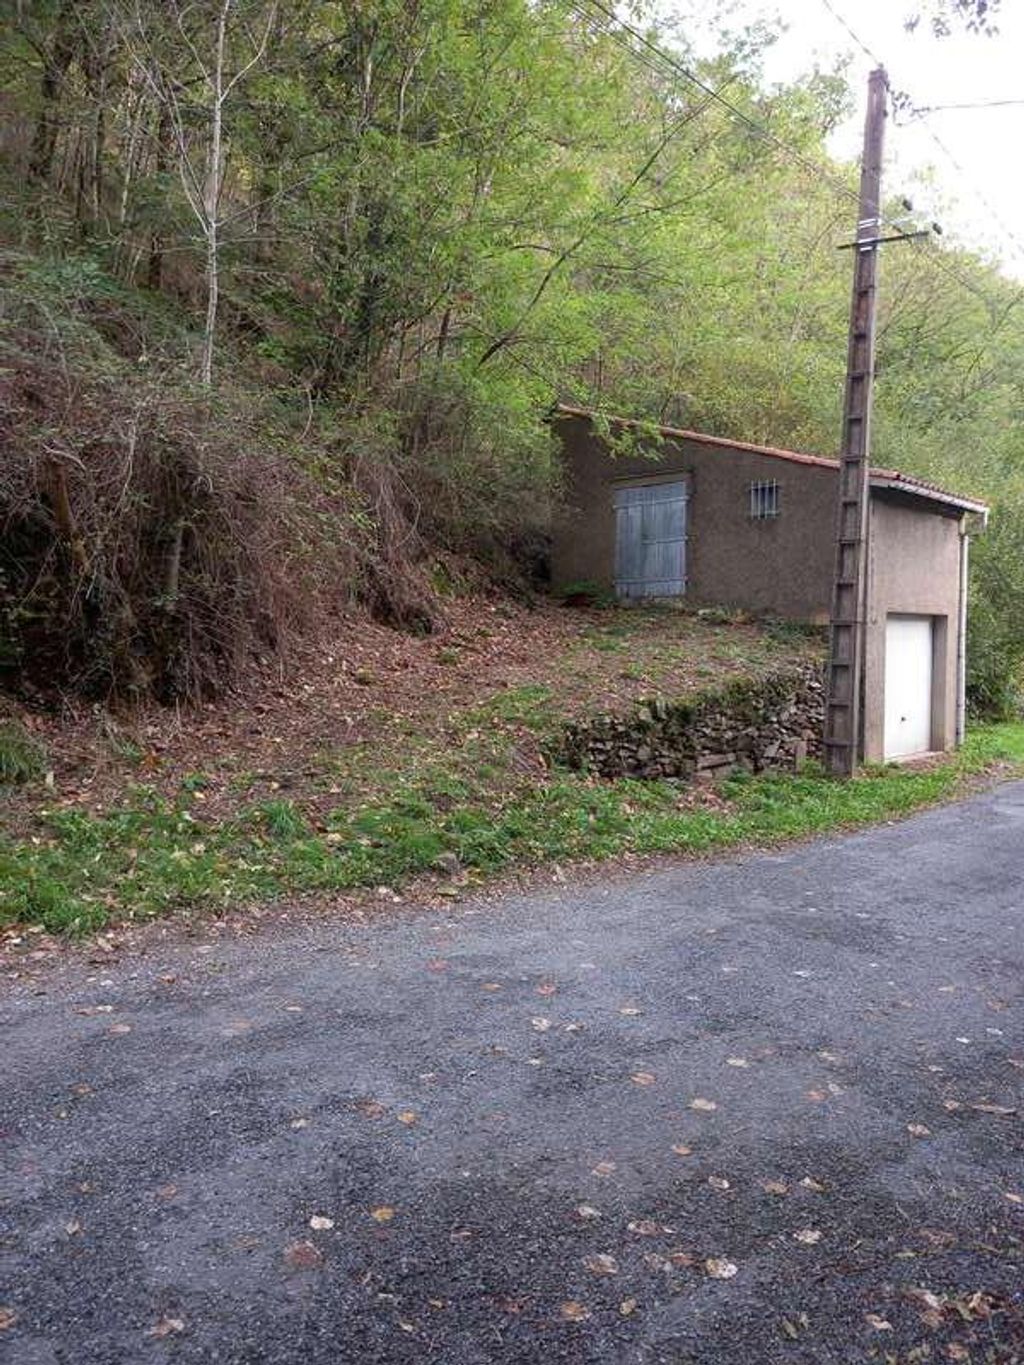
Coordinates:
x,y
781,566
755,725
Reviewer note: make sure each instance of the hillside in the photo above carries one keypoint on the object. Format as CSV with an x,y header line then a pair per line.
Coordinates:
x,y
288,291
286,295
433,742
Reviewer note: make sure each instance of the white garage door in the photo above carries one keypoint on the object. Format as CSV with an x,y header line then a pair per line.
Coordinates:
x,y
908,685
650,540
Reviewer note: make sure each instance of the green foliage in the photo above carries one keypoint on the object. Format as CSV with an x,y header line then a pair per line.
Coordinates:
x,y
435,220
22,758
150,857
995,655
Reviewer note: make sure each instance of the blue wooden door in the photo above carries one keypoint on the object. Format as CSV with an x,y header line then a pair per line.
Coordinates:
x,y
650,540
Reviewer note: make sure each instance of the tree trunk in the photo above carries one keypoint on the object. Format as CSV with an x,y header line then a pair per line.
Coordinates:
x,y
62,49
211,198
155,264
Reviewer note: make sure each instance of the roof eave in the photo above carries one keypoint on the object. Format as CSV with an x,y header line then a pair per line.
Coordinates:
x,y
916,490
880,478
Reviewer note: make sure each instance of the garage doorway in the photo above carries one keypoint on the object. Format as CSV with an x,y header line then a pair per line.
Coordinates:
x,y
650,539
909,651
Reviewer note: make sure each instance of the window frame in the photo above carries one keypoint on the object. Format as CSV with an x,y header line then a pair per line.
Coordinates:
x,y
764,500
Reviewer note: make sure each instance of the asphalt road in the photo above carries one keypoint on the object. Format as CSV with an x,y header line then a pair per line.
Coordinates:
x,y
745,1111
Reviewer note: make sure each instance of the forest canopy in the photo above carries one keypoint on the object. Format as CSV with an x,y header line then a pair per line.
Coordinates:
x,y
290,288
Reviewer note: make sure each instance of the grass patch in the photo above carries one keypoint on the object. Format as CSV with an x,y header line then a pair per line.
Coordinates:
x,y
151,855
22,758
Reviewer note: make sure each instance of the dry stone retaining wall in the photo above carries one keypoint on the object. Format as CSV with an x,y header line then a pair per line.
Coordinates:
x,y
773,722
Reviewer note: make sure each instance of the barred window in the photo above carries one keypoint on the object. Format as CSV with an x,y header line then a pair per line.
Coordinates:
x,y
764,500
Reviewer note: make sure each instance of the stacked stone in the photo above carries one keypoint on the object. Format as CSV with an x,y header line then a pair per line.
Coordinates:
x,y
752,725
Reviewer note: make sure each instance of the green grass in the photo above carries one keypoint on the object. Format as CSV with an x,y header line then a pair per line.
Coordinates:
x,y
152,856
22,758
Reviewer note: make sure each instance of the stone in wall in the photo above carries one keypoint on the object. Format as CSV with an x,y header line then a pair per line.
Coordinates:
x,y
752,725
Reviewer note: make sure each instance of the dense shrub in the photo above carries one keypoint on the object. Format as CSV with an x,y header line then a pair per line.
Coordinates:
x,y
150,538
995,637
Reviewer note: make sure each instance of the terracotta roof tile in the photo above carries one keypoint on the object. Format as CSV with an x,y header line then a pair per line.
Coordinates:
x,y
884,477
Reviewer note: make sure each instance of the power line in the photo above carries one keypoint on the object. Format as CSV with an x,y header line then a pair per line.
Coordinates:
x,y
1007,231
919,111
808,163
980,104
747,120
871,56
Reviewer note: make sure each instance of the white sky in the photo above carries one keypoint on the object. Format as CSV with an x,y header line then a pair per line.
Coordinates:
x,y
963,68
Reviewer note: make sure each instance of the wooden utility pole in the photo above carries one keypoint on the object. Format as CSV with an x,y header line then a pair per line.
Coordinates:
x,y
846,643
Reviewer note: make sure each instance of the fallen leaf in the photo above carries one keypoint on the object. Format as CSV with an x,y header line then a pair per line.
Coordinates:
x,y
956,1351
73,1228
601,1263
642,1078
371,1109
775,1187
644,1227
925,1297
604,1168
491,986
8,1317
437,964
546,988
630,1011
119,1030
951,1105
681,1259
299,1123
879,1323
303,1256
408,1117
719,1269
789,1329
1013,1197
588,1212
627,1306
918,1130
1001,1109
809,1236
816,1095
571,1311
321,1223
383,1213
167,1327
737,1061
705,1106
166,1191
681,1149
718,1182
809,1183
540,1024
